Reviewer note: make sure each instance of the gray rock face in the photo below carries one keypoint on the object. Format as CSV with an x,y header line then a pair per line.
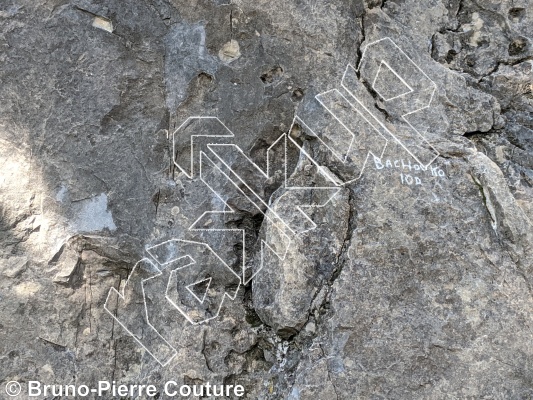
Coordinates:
x,y
353,221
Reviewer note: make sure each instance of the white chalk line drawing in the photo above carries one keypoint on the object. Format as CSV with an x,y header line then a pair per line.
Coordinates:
x,y
189,288
410,89
121,296
283,228
432,89
171,289
370,152
185,123
271,217
258,197
237,181
284,231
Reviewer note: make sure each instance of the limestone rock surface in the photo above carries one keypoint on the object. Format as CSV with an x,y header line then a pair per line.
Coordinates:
x,y
343,256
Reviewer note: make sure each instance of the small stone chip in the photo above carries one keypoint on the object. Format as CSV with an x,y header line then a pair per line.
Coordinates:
x,y
230,51
103,23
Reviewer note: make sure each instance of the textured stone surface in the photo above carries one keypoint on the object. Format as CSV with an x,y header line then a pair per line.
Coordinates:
x,y
414,284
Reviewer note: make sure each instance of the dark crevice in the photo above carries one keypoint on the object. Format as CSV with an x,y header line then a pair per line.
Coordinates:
x,y
231,24
517,13
340,259
55,346
342,255
207,364
272,75
500,63
359,51
156,198
460,8
298,343
474,134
